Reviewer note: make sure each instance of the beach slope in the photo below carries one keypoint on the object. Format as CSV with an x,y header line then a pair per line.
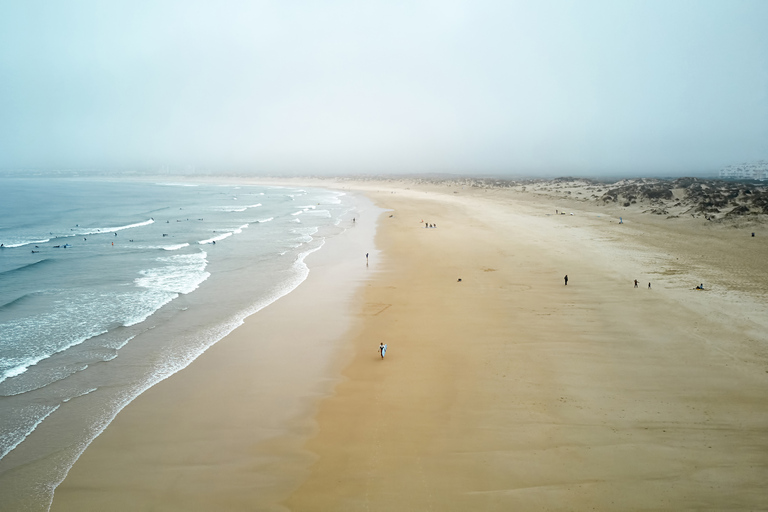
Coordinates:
x,y
503,388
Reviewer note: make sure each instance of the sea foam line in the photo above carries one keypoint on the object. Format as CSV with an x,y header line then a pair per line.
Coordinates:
x,y
22,244
32,361
87,392
83,233
175,247
215,239
118,228
21,438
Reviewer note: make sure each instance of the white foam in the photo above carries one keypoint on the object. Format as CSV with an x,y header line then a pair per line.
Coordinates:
x,y
262,221
240,229
22,244
144,311
121,345
216,238
118,228
27,363
182,273
79,395
174,247
19,369
12,439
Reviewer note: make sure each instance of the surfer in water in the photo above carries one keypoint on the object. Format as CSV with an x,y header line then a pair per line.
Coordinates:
x,y
382,349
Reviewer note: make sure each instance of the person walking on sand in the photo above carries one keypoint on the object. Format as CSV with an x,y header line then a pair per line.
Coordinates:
x,y
649,286
635,283
566,279
382,349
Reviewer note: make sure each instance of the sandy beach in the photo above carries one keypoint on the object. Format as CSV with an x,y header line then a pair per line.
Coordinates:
x,y
502,389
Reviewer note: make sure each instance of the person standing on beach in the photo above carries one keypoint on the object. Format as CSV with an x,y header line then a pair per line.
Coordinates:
x,y
381,349
635,283
566,279
649,286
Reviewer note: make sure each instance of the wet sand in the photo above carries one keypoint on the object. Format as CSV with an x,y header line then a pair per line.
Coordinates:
x,y
505,391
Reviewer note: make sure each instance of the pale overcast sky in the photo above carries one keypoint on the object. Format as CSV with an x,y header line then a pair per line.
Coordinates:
x,y
483,87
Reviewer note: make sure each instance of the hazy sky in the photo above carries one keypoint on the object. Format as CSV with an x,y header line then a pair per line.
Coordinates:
x,y
536,87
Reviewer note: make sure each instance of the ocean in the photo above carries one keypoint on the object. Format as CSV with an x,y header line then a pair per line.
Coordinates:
x,y
110,286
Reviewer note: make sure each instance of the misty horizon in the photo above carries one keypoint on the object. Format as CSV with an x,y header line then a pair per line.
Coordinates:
x,y
545,89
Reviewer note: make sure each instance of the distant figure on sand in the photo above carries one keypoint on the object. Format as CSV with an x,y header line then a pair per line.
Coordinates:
x,y
700,287
635,283
366,258
566,279
649,286
382,349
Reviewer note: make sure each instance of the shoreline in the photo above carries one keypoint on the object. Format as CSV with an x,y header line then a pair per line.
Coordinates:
x,y
505,390
149,445
171,337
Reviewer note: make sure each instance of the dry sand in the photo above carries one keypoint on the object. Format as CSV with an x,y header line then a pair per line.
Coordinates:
x,y
505,391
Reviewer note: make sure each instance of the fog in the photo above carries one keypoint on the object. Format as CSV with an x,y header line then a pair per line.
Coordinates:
x,y
332,87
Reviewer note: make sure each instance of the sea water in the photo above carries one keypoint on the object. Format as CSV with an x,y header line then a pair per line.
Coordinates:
x,y
109,286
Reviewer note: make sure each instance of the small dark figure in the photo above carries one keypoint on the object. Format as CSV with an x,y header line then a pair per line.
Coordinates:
x,y
382,348
566,279
649,286
459,280
635,283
